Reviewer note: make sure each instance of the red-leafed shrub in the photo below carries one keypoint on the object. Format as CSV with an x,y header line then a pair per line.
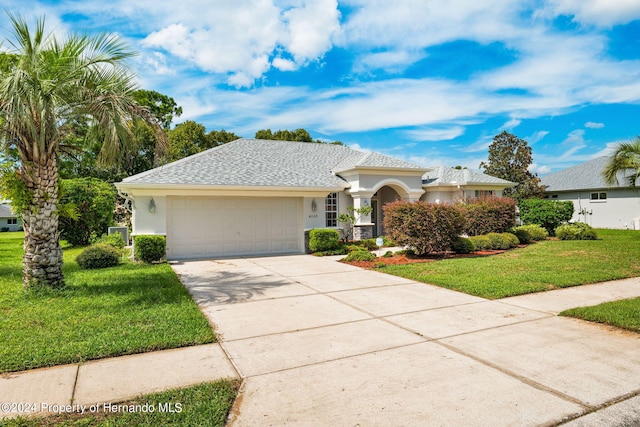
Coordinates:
x,y
425,227
489,215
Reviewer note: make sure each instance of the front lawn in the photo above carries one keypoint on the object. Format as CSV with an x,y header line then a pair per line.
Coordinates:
x,y
201,405
623,314
131,308
538,267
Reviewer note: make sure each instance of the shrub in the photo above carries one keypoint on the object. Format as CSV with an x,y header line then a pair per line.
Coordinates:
x,y
149,248
547,213
360,256
536,231
489,215
499,241
324,239
387,254
354,248
94,200
481,243
512,238
576,231
98,256
114,240
426,227
463,245
369,244
523,235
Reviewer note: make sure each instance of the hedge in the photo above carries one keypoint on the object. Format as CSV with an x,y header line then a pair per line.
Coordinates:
x,y
489,215
426,227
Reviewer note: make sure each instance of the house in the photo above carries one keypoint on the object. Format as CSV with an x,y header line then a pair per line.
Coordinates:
x,y
445,184
596,203
9,221
251,197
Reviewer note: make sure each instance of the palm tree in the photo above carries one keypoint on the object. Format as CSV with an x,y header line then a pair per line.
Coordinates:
x,y
52,83
625,160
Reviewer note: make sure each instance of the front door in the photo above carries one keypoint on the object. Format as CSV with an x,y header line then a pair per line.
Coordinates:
x,y
374,217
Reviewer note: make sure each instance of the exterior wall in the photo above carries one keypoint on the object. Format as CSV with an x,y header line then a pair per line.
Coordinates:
x,y
618,211
453,194
145,222
4,223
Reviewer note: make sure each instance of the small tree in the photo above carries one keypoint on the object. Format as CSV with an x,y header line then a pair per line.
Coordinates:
x,y
352,217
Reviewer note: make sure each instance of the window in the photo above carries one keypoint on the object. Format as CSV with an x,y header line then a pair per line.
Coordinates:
x,y
598,196
331,210
484,193
12,221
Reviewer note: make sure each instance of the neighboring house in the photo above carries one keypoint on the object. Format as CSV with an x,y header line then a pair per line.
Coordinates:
x,y
596,203
8,220
445,184
253,197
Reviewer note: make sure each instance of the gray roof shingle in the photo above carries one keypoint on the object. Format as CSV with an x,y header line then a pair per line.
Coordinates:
x,y
585,176
445,175
6,212
254,162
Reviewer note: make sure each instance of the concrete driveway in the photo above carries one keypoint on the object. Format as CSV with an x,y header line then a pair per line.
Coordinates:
x,y
318,342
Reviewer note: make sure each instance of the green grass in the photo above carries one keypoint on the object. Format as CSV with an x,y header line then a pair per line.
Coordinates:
x,y
623,314
538,267
131,308
202,405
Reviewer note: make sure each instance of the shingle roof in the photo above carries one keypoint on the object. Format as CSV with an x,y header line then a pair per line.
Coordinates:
x,y
441,175
255,162
6,212
585,176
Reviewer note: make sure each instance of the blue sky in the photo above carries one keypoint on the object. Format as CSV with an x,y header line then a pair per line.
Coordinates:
x,y
429,81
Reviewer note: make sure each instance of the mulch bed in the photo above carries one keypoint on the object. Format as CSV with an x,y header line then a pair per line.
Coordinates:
x,y
404,259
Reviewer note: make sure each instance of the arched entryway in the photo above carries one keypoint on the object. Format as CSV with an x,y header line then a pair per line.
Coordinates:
x,y
385,194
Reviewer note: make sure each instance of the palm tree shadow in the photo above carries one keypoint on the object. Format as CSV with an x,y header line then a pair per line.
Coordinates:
x,y
226,287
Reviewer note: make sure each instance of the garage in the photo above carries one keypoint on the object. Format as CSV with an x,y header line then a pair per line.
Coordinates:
x,y
211,227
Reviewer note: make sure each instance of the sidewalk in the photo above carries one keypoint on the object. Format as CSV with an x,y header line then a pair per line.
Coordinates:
x,y
116,379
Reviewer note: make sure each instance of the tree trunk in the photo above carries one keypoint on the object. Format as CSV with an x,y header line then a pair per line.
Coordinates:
x,y
42,261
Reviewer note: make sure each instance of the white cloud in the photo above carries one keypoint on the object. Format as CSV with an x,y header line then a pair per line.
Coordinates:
x,y
536,137
539,169
575,142
432,134
511,124
602,13
594,125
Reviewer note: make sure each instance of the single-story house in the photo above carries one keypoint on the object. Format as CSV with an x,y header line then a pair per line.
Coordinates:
x,y
254,197
596,203
9,221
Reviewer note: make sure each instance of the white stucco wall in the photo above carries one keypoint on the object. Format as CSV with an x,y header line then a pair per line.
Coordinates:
x,y
617,211
145,222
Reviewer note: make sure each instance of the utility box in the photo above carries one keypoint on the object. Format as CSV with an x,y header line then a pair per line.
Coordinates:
x,y
124,231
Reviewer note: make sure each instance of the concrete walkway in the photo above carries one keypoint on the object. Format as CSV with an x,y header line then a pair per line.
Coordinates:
x,y
323,343
318,342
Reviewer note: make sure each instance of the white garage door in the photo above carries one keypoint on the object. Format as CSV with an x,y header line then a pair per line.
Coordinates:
x,y
208,227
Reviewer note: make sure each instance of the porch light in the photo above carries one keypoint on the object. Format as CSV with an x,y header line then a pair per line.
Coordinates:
x,y
152,206
314,206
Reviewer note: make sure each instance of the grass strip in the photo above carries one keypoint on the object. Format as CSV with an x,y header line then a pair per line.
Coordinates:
x,y
205,404
623,314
